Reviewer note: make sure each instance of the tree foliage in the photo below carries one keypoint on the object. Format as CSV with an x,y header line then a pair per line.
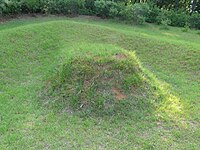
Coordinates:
x,y
177,12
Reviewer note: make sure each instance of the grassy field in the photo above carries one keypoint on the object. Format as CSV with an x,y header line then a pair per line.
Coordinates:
x,y
162,114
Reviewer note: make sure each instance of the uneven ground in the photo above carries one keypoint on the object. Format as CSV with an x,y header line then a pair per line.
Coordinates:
x,y
32,49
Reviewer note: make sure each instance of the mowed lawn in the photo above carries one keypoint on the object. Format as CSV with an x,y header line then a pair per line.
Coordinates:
x,y
30,51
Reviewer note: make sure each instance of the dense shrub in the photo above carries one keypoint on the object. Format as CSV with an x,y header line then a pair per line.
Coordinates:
x,y
186,27
113,12
163,15
165,24
153,13
64,6
194,20
89,7
141,11
178,18
10,7
2,7
41,6
136,13
31,6
103,8
127,13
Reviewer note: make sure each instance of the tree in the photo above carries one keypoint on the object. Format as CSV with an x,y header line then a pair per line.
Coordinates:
x,y
193,5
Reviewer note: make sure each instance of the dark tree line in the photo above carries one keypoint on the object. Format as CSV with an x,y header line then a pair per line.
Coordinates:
x,y
180,13
186,5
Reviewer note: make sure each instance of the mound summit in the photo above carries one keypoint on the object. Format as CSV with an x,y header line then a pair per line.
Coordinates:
x,y
102,81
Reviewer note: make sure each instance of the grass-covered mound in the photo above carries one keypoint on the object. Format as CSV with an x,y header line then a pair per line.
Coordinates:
x,y
31,49
105,81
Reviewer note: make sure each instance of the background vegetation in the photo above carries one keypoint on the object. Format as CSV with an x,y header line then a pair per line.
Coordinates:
x,y
181,13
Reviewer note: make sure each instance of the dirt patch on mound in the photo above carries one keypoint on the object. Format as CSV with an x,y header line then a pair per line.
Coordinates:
x,y
118,94
120,56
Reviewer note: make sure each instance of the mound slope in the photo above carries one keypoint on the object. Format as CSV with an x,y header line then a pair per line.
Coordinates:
x,y
104,82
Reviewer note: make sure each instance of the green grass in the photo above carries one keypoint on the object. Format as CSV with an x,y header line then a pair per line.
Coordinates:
x,y
32,51
102,79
